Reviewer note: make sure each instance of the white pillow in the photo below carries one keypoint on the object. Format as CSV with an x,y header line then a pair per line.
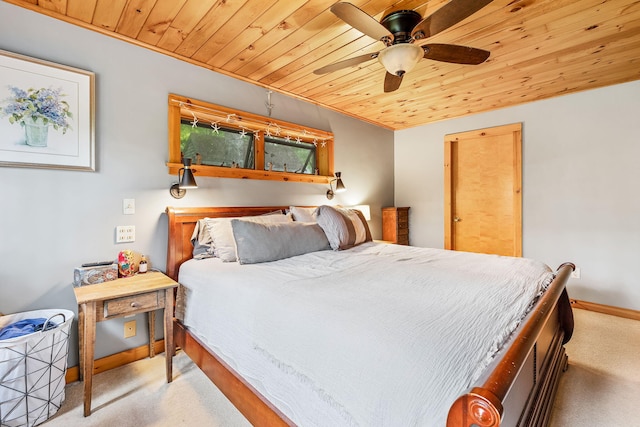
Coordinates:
x,y
201,240
345,228
302,214
256,242
222,233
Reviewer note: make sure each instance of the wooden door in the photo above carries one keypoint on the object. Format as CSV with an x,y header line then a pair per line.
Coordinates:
x,y
483,197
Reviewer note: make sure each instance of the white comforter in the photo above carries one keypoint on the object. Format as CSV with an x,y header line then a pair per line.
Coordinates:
x,y
374,336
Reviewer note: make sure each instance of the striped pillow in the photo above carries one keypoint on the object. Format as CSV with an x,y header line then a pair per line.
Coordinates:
x,y
345,228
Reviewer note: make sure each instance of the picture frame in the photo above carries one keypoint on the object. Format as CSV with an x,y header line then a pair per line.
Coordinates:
x,y
47,114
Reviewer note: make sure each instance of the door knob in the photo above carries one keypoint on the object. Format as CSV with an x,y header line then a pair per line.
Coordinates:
x,y
456,219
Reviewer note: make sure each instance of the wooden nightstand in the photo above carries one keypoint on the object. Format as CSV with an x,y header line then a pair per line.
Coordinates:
x,y
395,225
143,293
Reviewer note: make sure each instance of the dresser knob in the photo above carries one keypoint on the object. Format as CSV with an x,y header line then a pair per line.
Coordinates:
x,y
135,304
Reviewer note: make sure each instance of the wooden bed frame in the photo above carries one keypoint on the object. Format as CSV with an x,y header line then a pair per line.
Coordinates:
x,y
517,390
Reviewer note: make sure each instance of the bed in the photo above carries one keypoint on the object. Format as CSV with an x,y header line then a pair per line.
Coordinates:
x,y
515,386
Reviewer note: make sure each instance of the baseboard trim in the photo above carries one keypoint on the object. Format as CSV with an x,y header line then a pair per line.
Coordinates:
x,y
606,309
115,360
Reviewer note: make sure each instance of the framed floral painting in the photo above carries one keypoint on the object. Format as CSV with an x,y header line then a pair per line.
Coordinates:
x,y
46,114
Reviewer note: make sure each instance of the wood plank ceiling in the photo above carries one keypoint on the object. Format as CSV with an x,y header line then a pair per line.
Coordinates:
x,y
539,49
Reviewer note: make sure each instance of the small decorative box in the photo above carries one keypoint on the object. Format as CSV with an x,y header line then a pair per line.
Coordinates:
x,y
92,275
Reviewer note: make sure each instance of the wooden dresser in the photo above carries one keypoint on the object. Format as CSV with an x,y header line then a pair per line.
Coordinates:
x,y
395,225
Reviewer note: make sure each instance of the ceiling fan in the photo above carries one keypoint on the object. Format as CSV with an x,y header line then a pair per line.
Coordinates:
x,y
400,30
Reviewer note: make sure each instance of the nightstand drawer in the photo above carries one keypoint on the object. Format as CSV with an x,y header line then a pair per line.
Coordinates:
x,y
133,304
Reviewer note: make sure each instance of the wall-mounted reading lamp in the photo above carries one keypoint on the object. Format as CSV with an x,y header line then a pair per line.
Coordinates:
x,y
339,186
187,180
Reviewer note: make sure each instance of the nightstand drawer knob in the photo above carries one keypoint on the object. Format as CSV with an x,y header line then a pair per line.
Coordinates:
x,y
135,304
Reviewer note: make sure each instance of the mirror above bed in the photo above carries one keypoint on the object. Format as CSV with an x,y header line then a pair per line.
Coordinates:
x,y
226,143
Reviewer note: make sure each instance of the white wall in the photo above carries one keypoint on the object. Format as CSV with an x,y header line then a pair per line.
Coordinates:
x,y
581,200
52,221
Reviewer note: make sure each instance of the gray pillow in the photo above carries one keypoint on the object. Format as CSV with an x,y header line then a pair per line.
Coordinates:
x,y
222,236
264,242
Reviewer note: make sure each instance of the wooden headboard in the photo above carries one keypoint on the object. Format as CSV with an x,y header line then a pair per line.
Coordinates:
x,y
182,221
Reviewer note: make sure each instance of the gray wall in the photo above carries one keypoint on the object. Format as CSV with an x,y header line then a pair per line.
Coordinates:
x,y
52,221
580,185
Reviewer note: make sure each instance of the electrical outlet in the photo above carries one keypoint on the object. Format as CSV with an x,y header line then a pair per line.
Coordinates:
x,y
130,329
575,274
125,233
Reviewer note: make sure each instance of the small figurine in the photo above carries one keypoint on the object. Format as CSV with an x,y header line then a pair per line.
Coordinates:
x,y
126,264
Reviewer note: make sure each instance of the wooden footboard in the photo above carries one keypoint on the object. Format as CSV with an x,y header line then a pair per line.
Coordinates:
x,y
518,390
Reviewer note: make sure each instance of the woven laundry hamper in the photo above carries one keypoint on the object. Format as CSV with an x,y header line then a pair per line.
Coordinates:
x,y
33,368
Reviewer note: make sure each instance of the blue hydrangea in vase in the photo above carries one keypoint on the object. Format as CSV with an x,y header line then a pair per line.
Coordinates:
x,y
36,110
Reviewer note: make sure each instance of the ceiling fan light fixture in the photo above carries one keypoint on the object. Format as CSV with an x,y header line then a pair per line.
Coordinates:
x,y
400,58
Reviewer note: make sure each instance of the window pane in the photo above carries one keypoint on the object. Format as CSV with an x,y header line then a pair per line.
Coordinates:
x,y
299,157
226,147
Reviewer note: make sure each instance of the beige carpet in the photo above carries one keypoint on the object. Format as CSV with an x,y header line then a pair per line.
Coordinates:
x,y
137,395
600,389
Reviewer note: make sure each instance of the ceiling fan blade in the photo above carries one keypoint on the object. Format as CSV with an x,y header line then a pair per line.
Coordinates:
x,y
455,54
346,63
361,21
447,16
391,82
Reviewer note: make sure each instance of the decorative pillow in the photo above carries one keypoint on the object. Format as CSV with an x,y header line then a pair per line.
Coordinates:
x,y
345,228
222,234
201,240
302,214
264,242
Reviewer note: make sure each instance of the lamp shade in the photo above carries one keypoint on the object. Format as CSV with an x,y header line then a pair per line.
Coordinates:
x,y
400,58
187,180
339,184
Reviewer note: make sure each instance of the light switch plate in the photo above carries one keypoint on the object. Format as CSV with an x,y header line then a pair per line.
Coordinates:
x,y
128,206
575,274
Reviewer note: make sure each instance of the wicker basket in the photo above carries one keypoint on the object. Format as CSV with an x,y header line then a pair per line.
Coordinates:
x,y
33,368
